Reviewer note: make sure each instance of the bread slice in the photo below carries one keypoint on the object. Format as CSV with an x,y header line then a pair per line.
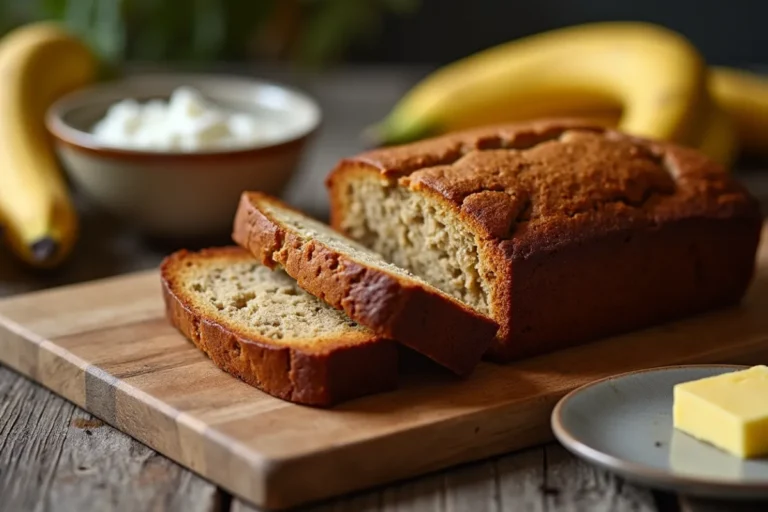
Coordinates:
x,y
387,299
258,325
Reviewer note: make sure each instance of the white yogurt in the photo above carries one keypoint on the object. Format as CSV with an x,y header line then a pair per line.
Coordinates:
x,y
186,123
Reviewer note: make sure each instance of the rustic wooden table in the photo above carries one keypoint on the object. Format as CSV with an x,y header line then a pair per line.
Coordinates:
x,y
55,456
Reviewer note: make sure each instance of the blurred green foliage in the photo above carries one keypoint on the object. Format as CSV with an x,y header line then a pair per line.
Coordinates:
x,y
309,32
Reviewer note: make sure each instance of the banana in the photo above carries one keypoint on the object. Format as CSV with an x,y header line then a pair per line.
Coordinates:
x,y
737,119
38,63
719,140
744,96
657,78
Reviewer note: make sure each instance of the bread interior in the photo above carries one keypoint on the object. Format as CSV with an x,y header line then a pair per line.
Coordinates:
x,y
417,233
262,302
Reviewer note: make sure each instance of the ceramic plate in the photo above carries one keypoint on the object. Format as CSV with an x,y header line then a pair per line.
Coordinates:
x,y
624,424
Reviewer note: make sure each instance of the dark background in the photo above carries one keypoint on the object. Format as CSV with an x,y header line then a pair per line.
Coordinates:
x,y
732,32
330,32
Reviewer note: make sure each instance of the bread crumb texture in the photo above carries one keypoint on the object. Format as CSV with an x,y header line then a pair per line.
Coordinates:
x,y
310,229
262,302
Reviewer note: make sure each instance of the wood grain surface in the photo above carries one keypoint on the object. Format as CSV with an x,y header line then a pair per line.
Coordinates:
x,y
55,456
106,347
534,480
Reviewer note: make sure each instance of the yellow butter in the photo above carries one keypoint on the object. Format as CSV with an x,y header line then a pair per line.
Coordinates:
x,y
729,411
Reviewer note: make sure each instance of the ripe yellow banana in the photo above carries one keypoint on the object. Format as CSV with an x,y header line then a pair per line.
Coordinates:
x,y
38,63
656,76
744,96
737,118
718,139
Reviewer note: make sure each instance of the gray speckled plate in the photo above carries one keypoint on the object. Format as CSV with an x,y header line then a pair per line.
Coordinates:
x,y
624,424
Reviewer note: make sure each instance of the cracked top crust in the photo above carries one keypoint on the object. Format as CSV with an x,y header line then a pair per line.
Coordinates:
x,y
535,186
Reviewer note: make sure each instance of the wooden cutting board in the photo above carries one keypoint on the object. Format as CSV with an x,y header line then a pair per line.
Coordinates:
x,y
106,347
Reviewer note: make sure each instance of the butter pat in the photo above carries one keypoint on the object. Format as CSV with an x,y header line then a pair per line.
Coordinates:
x,y
729,411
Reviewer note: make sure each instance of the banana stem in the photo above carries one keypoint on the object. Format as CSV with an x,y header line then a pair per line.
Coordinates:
x,y
44,250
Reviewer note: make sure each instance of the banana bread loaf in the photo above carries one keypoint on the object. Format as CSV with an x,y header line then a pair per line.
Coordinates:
x,y
559,230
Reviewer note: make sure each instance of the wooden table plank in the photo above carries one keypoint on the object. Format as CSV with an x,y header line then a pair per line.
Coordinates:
x,y
416,495
33,427
55,456
472,488
520,478
690,504
544,478
573,485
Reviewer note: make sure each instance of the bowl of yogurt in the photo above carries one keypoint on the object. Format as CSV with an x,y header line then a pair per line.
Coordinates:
x,y
171,153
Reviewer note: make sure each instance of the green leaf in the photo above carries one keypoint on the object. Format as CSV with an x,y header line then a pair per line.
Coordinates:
x,y
331,27
209,30
244,19
52,8
402,7
109,30
157,30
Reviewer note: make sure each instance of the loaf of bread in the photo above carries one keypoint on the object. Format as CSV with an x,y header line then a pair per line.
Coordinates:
x,y
561,231
387,299
258,325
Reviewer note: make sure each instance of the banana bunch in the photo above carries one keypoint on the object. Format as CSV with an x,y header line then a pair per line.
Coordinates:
x,y
744,97
640,78
38,63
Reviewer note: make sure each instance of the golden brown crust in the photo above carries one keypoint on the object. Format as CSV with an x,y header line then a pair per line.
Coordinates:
x,y
624,281
540,184
540,196
392,306
348,369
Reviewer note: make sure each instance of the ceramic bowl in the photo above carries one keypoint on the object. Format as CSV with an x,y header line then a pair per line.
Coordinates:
x,y
175,194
